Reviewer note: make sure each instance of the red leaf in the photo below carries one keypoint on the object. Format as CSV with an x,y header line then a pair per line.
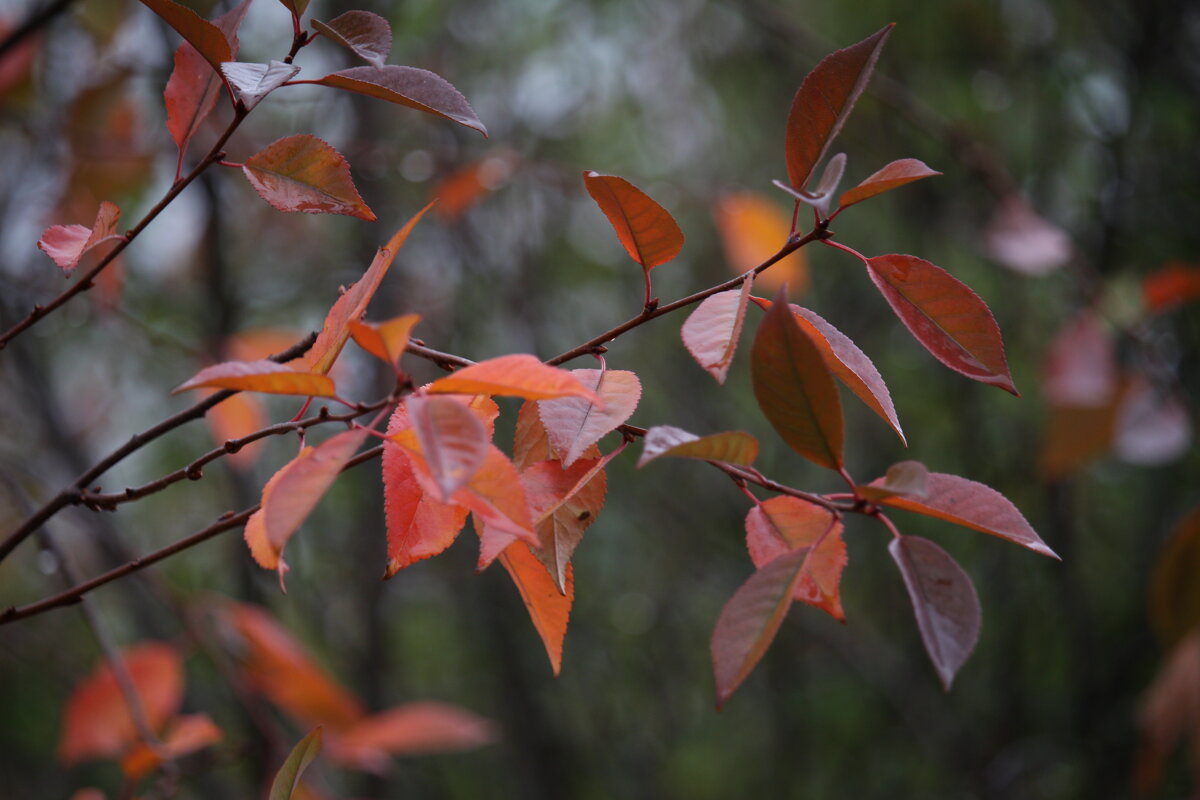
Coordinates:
x,y
253,82
185,734
893,176
563,503
1174,590
795,388
945,316
971,505
207,38
407,86
353,302
574,424
823,102
1170,286
785,523
453,440
1025,242
387,341
944,603
367,35
260,376
1080,369
96,720
516,375
712,331
548,608
303,173
749,621
648,232
496,497
752,229
411,729
66,244
905,479
731,447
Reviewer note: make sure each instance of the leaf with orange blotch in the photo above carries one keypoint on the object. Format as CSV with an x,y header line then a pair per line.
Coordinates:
x,y
751,618
1024,241
944,603
252,82
824,101
293,492
353,302
387,341
795,387
367,35
574,424
1080,367
96,720
287,780
971,505
945,316
454,442
563,503
1170,286
730,447
711,332
303,173
260,376
903,479
407,86
1174,590
647,230
280,669
892,176
206,37
422,728
785,523
184,735
752,230
517,375
66,244
548,608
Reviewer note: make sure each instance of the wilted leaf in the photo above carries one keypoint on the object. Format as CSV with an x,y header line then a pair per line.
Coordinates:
x,y
260,376
303,173
563,503
944,603
785,523
647,230
972,505
753,229
66,244
945,316
1152,426
905,479
731,447
516,375
411,729
253,82
749,621
1174,588
207,38
823,103
712,331
893,176
367,35
548,608
1170,286
287,779
184,735
454,442
407,86
386,341
1080,369
795,388
574,424
1025,242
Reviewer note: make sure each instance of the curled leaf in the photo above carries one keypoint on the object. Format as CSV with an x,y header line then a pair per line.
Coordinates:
x,y
731,447
253,82
367,35
66,244
407,86
303,173
387,341
892,176
518,375
260,376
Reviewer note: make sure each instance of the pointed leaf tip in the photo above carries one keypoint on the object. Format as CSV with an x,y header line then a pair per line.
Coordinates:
x,y
647,231
303,173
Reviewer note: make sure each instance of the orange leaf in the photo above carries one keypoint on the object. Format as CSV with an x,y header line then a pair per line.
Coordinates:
x,y
893,176
574,424
785,523
731,447
412,729
96,721
386,341
945,316
531,443
1170,286
753,229
824,101
260,376
303,173
463,188
712,331
564,503
367,35
496,497
795,388
516,375
454,442
66,244
548,608
407,86
648,232
207,38
184,735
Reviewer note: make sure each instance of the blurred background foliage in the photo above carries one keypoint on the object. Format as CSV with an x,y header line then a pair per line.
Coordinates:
x,y
1089,111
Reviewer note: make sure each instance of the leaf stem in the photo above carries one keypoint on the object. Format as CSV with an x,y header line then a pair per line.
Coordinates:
x,y
839,246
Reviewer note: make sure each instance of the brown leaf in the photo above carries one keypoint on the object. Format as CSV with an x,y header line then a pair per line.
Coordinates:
x,y
260,376
575,424
303,173
785,523
647,230
893,176
731,447
516,375
711,332
407,86
66,244
367,35
548,608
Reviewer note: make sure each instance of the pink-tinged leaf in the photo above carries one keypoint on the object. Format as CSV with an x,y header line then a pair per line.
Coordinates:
x,y
823,103
647,230
944,603
564,503
303,173
353,302
367,35
293,492
785,523
287,779
1080,369
412,729
185,734
1170,286
972,505
387,341
749,621
575,424
549,609
1174,591
253,82
730,447
711,332
66,244
1025,242
893,176
945,316
795,387
260,376
531,444
1152,427
753,229
407,86
206,37
496,497
905,479
453,440
518,375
